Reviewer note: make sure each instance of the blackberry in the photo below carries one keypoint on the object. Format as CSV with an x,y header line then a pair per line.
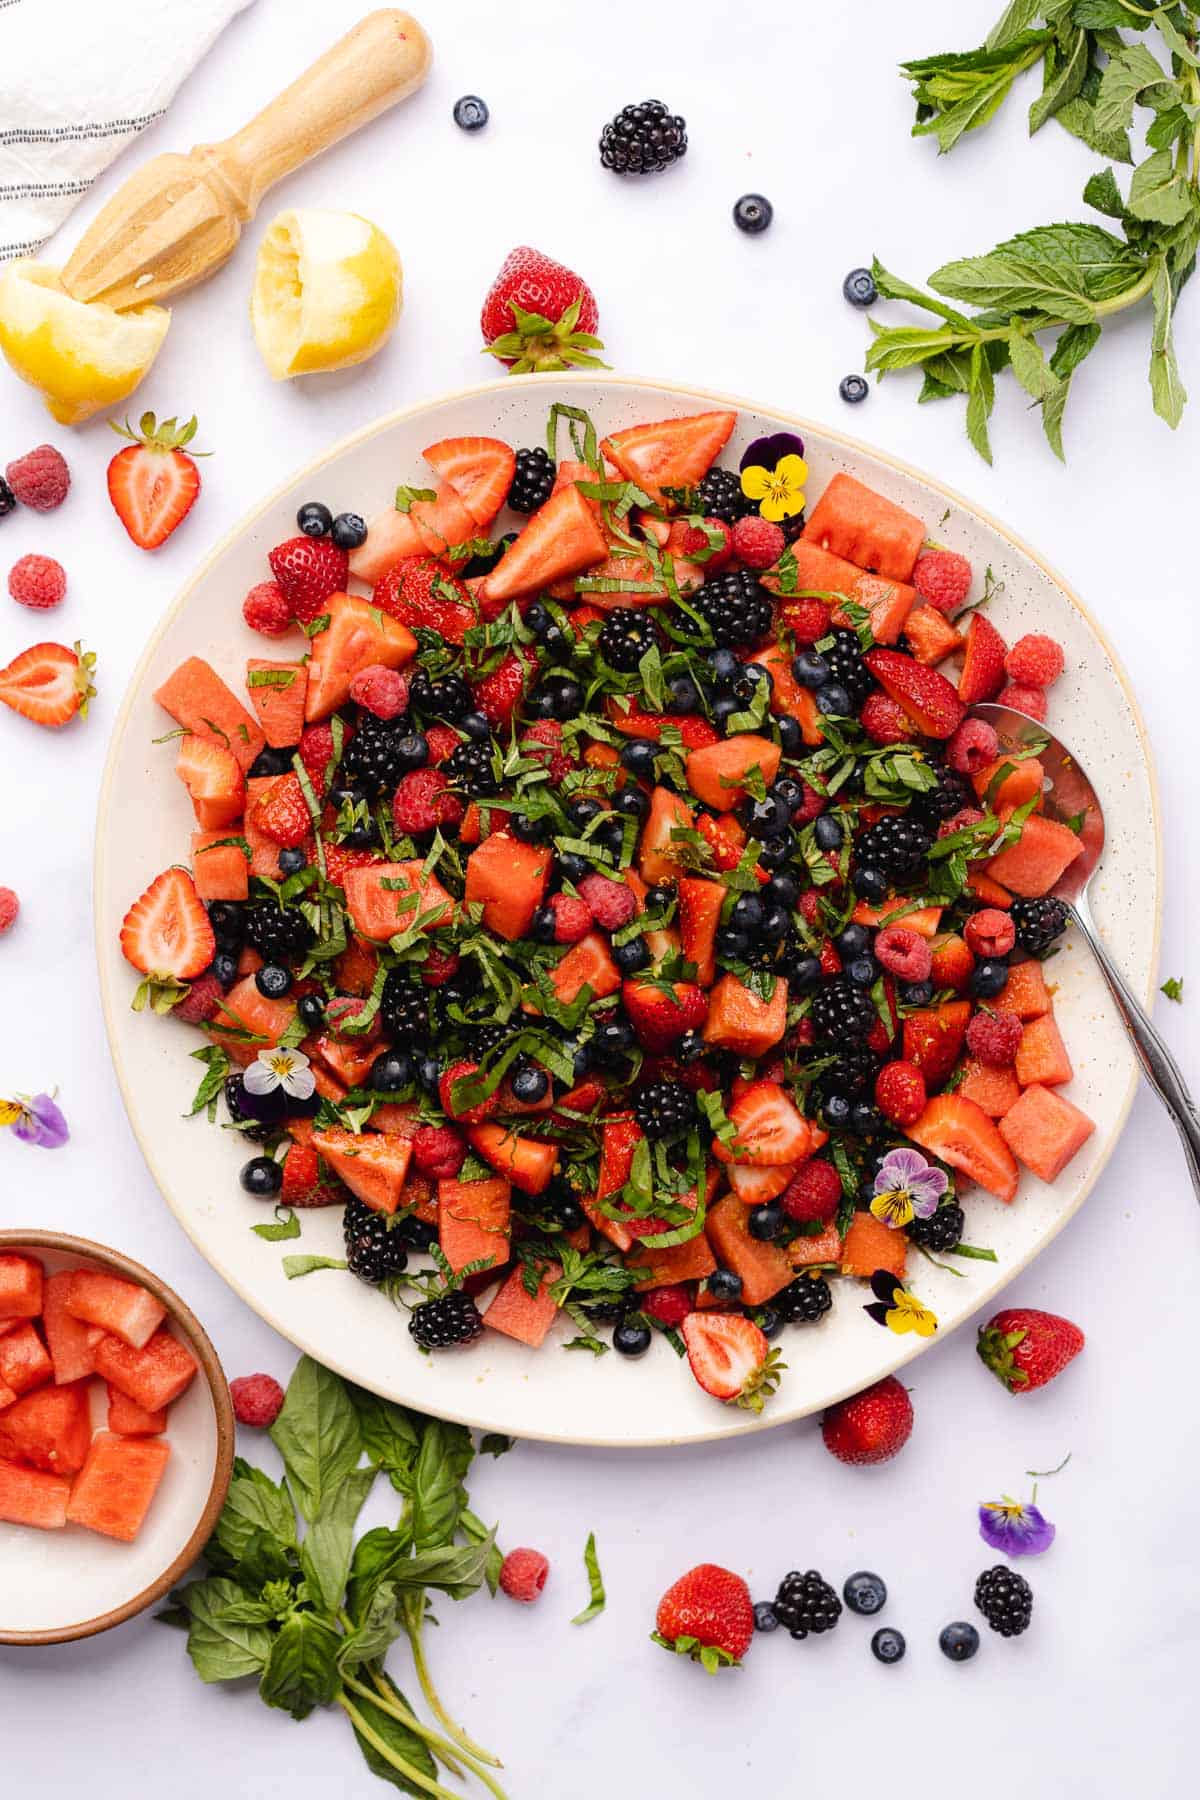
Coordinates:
x,y
806,1603
532,481
1005,1599
643,139
404,1010
374,1248
625,637
451,1319
277,933
608,1312
941,1230
259,1115
846,666
942,802
663,1107
1038,923
898,844
8,499
841,1012
485,1036
719,496
804,1300
736,607
469,768
440,697
372,759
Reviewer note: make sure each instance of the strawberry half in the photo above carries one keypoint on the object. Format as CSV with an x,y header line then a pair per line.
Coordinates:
x,y
983,662
420,591
479,469
153,483
731,1359
166,935
927,697
770,1131
49,683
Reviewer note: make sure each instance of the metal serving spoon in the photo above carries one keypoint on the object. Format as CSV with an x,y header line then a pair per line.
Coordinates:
x,y
1070,796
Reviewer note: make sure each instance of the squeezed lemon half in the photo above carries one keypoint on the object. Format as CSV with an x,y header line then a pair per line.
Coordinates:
x,y
81,355
327,292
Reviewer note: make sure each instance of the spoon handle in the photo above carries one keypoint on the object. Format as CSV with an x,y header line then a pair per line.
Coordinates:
x,y
1160,1068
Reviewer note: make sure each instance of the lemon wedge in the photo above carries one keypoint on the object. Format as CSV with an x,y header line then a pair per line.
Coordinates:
x,y
81,355
327,292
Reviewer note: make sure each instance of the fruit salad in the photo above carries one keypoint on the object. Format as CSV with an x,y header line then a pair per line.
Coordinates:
x,y
607,897
64,1340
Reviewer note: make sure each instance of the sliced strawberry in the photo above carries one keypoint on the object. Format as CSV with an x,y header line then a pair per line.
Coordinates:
x,y
153,483
423,591
670,452
49,683
460,1073
927,697
166,933
499,693
562,538
695,732
282,814
661,1014
983,665
479,469
730,1358
213,777
770,1130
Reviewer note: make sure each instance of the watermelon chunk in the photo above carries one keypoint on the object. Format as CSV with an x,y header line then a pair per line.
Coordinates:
x,y
690,1261
763,1267
854,522
121,1308
197,698
716,772
20,1286
24,1361
700,904
931,636
473,1222
373,1164
277,693
668,813
153,1376
520,1314
1024,993
739,1021
995,1090
28,1497
1041,855
51,1429
587,963
380,912
358,634
869,1244
247,1010
220,869
528,1163
1042,1057
120,1478
508,879
128,1419
1045,1130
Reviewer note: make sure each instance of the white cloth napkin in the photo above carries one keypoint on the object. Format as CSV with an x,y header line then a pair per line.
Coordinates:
x,y
79,79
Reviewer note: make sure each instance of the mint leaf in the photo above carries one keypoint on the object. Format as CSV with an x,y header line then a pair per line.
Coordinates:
x,y
1158,192
591,1563
1169,393
1172,987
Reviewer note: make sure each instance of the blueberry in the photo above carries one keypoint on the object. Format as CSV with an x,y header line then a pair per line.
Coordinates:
x,y
224,966
470,113
541,703
791,738
228,925
314,520
580,813
865,1118
273,981
806,974
390,1072
529,831
724,707
859,288
764,1221
775,926
530,1085
568,698
632,956
570,1215
784,889
683,696
958,1640
724,664
853,389
573,868
632,803
690,1048
612,1039
836,1111
764,1616
864,1592
834,700
916,993
747,914
731,943
476,727
638,756
580,1055
887,1645
988,979
611,835
753,213
765,818
292,861
412,752
870,885
862,970
854,940
311,1008
556,642
543,925
349,531
789,791
631,1338
428,1073
827,831
539,618
262,1177
270,762
810,669
725,1284
777,851
769,1321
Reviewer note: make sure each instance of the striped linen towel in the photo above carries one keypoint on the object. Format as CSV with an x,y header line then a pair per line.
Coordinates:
x,y
79,79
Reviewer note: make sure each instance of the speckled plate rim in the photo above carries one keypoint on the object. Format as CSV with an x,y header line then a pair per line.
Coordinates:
x,y
210,1363
677,391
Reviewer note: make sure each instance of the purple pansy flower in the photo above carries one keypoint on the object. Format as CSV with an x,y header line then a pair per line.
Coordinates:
x,y
907,1187
1013,1528
35,1119
765,452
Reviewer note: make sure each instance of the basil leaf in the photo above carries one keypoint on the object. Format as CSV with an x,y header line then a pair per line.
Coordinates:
x,y
379,1629
376,1555
477,1532
301,1671
389,1435
221,1648
454,1569
254,1503
591,1563
317,1434
325,1552
438,1493
396,1737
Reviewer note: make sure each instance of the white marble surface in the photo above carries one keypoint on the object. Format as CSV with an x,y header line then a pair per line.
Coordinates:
x,y
800,103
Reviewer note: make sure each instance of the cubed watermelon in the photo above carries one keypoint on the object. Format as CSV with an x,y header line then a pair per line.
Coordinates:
x,y
473,1222
220,869
1042,1055
20,1286
508,879
1024,993
113,1490
50,1428
763,1267
27,1497
522,1315
119,1307
128,1419
739,1021
869,1244
1045,1131
24,1360
153,1376
66,1336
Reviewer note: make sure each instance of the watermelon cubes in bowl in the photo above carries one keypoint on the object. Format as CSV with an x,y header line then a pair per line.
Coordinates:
x,y
116,1437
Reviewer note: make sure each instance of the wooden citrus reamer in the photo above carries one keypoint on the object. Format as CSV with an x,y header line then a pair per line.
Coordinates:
x,y
180,217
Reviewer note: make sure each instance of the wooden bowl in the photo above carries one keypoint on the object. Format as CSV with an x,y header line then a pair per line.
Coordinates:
x,y
59,1585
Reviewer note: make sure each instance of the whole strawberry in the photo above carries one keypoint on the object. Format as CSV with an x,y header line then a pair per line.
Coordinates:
x,y
1025,1348
540,315
308,570
707,1615
870,1427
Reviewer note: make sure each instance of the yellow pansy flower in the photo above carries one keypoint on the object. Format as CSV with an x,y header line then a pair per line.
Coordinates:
x,y
778,491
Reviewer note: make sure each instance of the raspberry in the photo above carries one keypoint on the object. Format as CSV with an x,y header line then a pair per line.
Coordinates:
x,y
265,609
942,579
695,542
813,1194
611,903
438,1151
1035,661
442,741
990,933
810,906
523,1575
316,753
669,1305
257,1400
40,478
543,740
471,1115
757,542
992,1038
439,966
972,747
572,918
1029,700
811,805
900,1092
966,815
37,581
904,953
884,720
807,620
423,801
201,1000
10,906
381,691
